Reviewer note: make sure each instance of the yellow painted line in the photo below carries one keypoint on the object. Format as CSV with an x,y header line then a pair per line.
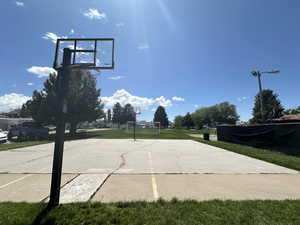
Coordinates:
x,y
154,188
15,181
154,184
19,179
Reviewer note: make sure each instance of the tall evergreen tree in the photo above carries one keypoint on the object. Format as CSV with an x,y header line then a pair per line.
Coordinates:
x,y
109,116
127,114
161,116
83,102
272,107
117,113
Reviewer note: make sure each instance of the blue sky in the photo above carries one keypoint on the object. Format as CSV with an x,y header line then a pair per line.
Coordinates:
x,y
200,52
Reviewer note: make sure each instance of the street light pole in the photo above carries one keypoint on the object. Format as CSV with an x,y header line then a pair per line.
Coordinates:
x,y
258,75
260,95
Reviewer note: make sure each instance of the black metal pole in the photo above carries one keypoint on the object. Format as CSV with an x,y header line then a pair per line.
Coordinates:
x,y
134,127
260,95
62,82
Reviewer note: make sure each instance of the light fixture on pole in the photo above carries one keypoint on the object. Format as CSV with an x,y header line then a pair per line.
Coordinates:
x,y
258,75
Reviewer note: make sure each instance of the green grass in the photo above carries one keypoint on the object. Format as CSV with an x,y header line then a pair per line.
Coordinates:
x,y
281,159
144,134
14,145
159,213
111,134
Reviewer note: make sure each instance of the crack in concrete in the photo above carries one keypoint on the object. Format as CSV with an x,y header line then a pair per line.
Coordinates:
x,y
122,164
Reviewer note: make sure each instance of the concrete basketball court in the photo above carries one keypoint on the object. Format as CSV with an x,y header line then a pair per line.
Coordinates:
x,y
110,170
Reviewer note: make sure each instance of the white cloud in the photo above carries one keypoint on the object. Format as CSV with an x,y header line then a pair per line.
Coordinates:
x,y
21,4
163,101
12,101
241,99
196,106
41,71
94,14
116,78
178,99
123,97
53,37
72,31
30,84
143,46
121,24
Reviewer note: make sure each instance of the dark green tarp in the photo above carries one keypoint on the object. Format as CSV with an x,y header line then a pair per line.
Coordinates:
x,y
287,135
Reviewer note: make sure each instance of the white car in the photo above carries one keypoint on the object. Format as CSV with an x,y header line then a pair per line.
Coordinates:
x,y
3,136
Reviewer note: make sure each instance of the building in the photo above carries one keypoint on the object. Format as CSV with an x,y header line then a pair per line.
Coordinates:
x,y
288,119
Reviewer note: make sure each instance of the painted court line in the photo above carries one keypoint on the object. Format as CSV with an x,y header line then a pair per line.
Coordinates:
x,y
15,181
81,188
19,179
154,184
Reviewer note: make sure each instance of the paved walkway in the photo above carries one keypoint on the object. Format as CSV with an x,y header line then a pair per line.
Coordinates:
x,y
114,170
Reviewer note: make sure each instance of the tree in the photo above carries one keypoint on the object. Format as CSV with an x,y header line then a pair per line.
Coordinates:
x,y
109,116
25,112
198,120
272,107
127,114
178,122
117,112
188,121
222,113
82,101
292,111
225,113
161,116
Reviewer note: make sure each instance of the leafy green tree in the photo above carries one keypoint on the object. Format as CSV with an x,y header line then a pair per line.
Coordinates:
x,y
198,120
272,107
178,122
117,113
223,113
188,121
292,111
82,101
161,116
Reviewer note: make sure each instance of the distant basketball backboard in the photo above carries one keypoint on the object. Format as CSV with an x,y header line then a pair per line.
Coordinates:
x,y
87,53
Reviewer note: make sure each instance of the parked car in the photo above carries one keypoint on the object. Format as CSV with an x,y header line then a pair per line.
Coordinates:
x,y
28,131
3,136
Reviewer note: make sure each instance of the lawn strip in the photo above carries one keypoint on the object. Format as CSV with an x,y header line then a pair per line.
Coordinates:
x,y
14,145
158,213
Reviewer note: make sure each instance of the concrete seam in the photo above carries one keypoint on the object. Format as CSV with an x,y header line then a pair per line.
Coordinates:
x,y
77,175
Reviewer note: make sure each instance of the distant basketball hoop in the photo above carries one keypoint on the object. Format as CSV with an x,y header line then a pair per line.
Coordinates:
x,y
137,111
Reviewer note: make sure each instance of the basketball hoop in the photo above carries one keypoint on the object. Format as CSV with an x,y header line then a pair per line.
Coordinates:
x,y
79,53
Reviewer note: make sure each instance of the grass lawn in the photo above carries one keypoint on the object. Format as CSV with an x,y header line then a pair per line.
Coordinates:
x,y
161,212
281,159
144,134
14,145
111,134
